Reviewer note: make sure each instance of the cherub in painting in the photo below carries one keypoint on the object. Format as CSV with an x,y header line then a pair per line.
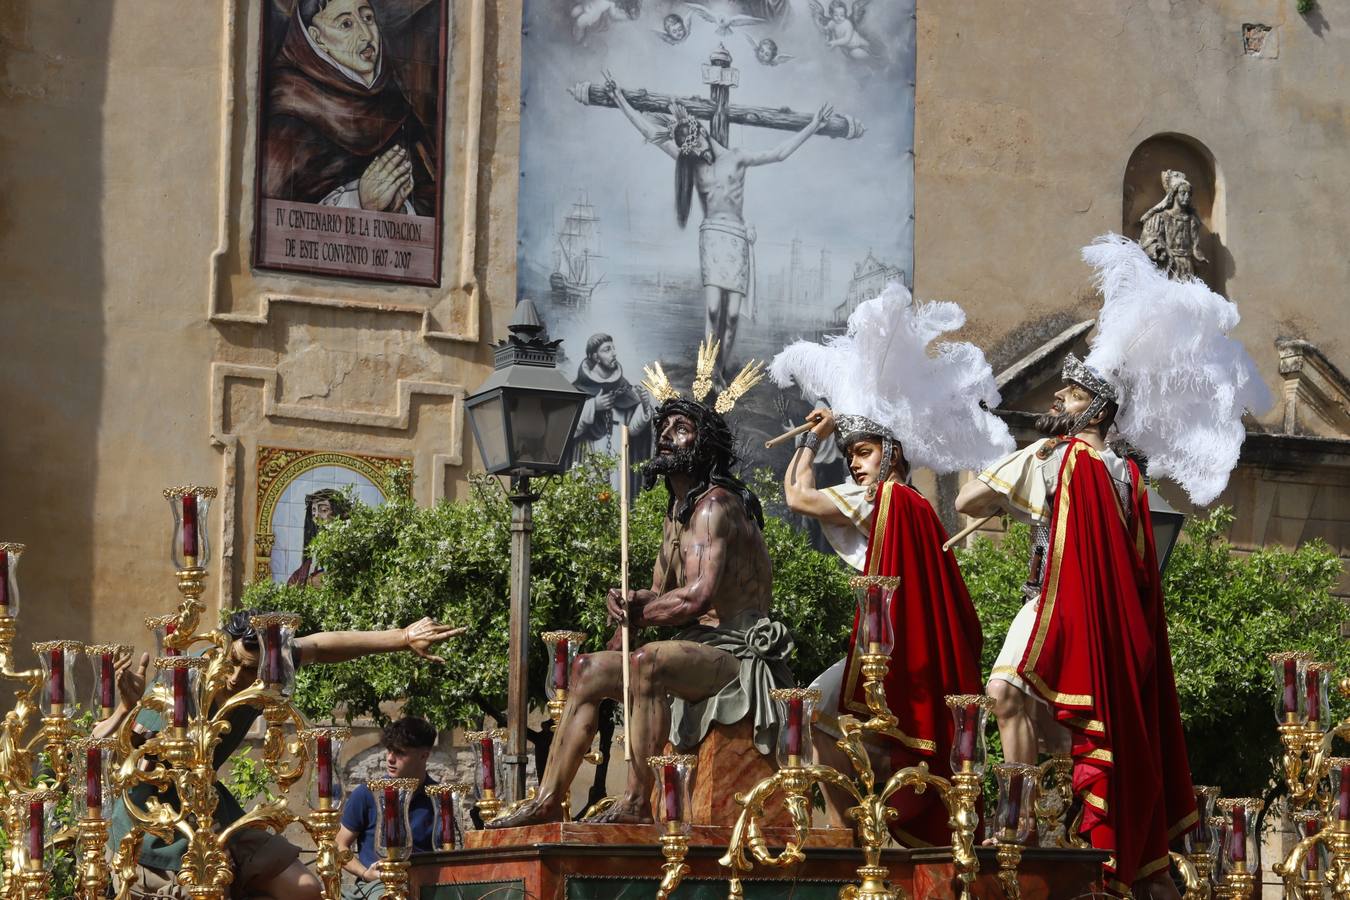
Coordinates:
x,y
842,27
674,29
595,15
766,52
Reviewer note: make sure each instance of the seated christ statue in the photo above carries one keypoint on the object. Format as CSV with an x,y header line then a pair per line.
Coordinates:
x,y
713,581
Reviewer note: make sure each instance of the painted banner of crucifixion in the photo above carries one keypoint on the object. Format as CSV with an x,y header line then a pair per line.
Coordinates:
x,y
740,169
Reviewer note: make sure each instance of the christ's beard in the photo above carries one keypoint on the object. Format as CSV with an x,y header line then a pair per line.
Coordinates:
x,y
670,460
1054,424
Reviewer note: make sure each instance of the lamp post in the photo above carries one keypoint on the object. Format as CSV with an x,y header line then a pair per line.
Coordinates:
x,y
1167,524
524,419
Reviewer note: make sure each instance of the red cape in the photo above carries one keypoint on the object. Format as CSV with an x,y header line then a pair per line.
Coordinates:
x,y
1099,656
937,650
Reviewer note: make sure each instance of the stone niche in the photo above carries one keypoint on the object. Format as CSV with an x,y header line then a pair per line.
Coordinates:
x,y
1142,187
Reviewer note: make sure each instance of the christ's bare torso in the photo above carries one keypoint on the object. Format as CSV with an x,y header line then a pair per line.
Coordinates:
x,y
719,532
721,186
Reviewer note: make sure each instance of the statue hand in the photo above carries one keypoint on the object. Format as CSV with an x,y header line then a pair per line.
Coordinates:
x,y
611,86
822,421
420,635
130,682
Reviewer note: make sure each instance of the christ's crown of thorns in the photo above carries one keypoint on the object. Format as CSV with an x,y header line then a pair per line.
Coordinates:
x,y
658,384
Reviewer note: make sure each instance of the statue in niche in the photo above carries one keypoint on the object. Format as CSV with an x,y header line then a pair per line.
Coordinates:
x,y
1171,235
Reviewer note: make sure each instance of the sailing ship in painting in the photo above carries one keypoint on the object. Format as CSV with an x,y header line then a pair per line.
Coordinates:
x,y
574,277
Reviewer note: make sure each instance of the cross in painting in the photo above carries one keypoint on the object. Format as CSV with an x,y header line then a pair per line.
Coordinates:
x,y
705,161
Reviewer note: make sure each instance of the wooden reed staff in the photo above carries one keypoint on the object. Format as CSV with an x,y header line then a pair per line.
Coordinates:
x,y
788,435
623,583
951,541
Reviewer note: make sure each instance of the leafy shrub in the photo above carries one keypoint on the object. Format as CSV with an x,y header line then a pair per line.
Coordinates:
x,y
389,565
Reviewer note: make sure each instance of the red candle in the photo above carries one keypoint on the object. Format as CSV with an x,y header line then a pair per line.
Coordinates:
x,y
323,765
393,827
272,674
1343,806
169,629
180,710
560,665
670,781
4,578
1314,690
36,812
93,779
1013,812
489,764
190,528
1311,829
447,806
1237,834
106,696
794,728
873,615
57,678
966,746
1290,692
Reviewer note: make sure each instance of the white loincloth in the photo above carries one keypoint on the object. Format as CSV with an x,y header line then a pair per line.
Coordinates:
x,y
724,256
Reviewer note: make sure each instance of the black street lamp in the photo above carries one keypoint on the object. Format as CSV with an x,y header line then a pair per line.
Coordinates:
x,y
1167,524
524,419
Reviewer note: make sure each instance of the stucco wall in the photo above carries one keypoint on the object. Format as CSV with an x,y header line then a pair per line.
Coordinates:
x,y
124,120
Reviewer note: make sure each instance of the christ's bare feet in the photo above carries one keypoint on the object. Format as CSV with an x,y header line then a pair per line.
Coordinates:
x,y
536,812
625,812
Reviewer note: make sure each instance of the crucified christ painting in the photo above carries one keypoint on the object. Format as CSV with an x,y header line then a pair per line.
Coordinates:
x,y
718,173
798,178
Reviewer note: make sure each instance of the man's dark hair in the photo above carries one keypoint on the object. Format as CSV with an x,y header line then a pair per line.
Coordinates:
x,y
409,733
308,9
596,341
240,629
342,508
713,458
686,169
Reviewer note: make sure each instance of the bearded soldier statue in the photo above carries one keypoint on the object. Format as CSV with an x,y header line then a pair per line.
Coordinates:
x,y
1086,667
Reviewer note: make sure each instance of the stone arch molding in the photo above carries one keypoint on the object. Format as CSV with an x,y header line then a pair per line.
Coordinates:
x,y
1141,188
278,467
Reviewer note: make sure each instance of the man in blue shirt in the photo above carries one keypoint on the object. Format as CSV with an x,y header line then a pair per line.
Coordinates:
x,y
407,747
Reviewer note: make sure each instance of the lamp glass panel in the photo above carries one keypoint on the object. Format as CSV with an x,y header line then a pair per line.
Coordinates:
x,y
541,426
489,427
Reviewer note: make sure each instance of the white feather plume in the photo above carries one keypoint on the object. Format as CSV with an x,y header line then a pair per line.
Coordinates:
x,y
1184,383
882,368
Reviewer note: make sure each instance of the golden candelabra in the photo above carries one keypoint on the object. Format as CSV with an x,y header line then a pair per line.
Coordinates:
x,y
1053,800
490,743
1241,851
562,650
1319,783
393,833
166,781
960,794
1202,844
673,772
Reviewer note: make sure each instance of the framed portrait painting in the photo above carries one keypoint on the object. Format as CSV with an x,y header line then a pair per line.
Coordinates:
x,y
350,135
